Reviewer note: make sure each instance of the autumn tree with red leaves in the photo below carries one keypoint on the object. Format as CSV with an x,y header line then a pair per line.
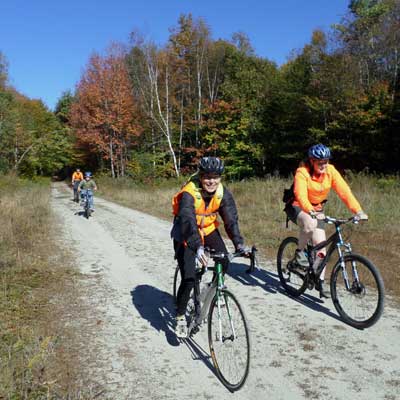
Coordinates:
x,y
104,115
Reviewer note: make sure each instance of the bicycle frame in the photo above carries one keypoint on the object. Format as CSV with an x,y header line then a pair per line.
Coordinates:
x,y
216,288
86,194
335,242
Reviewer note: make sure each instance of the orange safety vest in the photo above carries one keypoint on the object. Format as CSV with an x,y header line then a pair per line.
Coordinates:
x,y
77,176
311,191
206,217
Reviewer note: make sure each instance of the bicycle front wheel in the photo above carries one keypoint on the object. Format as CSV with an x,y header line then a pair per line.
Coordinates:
x,y
229,340
177,282
292,279
357,291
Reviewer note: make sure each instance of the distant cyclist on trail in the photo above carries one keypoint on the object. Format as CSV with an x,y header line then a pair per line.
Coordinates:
x,y
196,207
77,177
90,185
312,182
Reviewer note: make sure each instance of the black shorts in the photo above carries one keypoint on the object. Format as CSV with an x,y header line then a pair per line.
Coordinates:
x,y
293,212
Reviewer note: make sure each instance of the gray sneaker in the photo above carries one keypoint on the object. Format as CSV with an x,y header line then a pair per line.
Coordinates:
x,y
181,329
301,259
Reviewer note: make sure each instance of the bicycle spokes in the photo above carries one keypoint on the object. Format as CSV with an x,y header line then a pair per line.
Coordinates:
x,y
229,340
224,307
293,278
357,291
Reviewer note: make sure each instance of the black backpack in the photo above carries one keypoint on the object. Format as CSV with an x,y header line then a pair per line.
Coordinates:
x,y
288,199
288,195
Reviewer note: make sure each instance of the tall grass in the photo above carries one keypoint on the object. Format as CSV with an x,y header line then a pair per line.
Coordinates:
x,y
30,280
263,222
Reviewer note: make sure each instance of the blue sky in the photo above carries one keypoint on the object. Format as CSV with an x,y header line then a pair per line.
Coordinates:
x,y
47,43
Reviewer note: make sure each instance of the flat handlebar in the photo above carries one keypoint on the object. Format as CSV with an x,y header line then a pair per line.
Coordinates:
x,y
340,221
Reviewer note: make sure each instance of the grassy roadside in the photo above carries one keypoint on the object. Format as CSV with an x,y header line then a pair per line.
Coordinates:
x,y
263,222
37,288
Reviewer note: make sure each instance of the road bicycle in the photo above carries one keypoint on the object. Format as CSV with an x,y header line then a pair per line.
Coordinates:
x,y
85,202
228,333
253,265
356,285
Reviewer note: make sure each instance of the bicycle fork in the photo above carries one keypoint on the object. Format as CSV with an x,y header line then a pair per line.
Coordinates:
x,y
220,297
345,275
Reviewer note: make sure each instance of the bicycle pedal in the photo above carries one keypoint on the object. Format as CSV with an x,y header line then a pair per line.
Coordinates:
x,y
193,331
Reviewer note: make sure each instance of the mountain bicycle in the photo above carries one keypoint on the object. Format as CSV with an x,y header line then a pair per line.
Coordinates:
x,y
228,333
85,202
356,285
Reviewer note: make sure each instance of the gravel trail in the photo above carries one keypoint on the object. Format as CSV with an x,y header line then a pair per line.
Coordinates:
x,y
300,348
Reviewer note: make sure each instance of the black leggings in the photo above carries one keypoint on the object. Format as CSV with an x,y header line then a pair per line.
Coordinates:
x,y
187,265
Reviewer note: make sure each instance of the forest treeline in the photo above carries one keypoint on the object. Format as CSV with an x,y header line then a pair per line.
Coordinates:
x,y
145,111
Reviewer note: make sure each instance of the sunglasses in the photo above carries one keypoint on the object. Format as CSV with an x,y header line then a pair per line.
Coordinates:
x,y
321,162
211,176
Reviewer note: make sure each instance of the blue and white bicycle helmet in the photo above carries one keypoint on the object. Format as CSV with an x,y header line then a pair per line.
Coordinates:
x,y
88,174
319,152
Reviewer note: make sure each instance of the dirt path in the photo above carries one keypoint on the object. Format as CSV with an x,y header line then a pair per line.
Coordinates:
x,y
300,349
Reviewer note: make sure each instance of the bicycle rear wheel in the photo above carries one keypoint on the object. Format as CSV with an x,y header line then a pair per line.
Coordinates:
x,y
361,304
292,279
229,340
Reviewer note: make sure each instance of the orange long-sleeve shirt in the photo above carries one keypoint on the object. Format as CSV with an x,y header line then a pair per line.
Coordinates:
x,y
77,176
311,191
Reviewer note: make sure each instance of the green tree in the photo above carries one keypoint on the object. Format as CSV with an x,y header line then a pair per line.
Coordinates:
x,y
63,107
41,144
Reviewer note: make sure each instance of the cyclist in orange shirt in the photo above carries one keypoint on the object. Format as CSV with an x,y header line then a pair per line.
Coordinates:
x,y
77,177
312,182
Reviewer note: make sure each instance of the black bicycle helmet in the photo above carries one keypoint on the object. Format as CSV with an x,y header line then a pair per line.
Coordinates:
x,y
211,165
319,152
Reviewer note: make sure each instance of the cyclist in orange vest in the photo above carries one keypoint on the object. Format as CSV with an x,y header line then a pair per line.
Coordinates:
x,y
196,208
77,177
312,182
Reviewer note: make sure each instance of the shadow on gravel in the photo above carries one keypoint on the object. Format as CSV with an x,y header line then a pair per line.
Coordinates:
x,y
156,307
313,303
80,213
199,354
259,277
269,281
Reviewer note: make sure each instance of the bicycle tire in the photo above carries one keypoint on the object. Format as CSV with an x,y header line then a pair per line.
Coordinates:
x,y
176,283
370,284
229,320
87,212
294,282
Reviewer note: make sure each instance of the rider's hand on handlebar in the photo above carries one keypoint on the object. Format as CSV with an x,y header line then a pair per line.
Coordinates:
x,y
317,215
201,256
361,216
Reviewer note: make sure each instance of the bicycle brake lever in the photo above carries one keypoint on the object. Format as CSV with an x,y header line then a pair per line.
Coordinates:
x,y
253,260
